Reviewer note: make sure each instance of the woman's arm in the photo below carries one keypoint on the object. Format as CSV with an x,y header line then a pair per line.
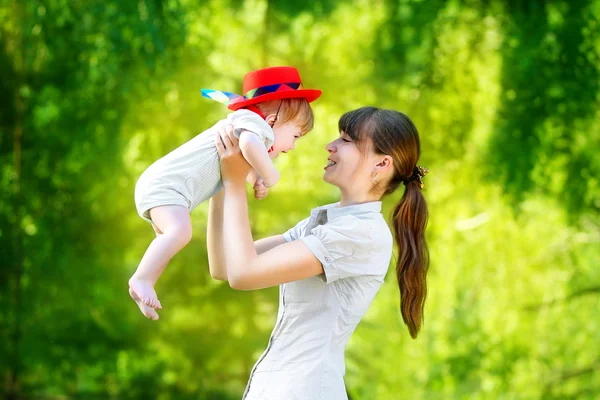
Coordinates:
x,y
266,244
214,238
247,270
255,153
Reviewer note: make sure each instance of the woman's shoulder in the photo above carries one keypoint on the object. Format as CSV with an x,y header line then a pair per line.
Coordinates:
x,y
359,246
371,225
362,238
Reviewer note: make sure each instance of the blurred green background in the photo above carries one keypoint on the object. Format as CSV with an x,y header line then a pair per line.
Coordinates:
x,y
505,95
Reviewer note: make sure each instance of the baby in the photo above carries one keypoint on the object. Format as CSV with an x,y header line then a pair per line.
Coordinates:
x,y
273,113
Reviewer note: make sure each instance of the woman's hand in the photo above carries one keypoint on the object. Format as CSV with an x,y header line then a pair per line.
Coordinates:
x,y
234,167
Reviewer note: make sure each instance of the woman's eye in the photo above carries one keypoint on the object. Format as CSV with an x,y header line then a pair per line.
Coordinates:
x,y
346,140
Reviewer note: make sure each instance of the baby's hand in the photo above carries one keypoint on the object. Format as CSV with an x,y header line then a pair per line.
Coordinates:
x,y
260,190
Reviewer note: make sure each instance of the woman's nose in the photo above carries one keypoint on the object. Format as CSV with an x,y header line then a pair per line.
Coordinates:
x,y
330,147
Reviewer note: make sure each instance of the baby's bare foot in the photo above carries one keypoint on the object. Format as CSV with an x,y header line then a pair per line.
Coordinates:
x,y
145,292
148,311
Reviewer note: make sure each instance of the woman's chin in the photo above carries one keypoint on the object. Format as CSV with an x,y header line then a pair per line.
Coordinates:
x,y
328,178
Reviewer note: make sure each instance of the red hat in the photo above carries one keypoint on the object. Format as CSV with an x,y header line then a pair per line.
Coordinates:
x,y
263,85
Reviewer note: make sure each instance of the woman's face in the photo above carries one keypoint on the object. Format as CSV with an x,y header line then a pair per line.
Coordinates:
x,y
348,168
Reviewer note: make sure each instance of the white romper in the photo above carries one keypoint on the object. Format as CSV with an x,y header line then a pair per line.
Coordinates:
x,y
191,173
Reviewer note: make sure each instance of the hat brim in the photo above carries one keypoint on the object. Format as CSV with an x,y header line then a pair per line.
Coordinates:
x,y
309,94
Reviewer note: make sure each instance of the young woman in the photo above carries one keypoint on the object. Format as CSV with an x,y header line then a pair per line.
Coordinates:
x,y
330,265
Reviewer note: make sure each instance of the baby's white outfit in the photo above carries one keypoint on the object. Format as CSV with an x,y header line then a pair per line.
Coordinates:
x,y
191,173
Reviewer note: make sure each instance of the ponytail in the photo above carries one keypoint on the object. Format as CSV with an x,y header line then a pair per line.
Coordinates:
x,y
409,221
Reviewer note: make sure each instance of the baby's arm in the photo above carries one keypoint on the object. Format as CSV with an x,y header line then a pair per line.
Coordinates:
x,y
252,177
255,153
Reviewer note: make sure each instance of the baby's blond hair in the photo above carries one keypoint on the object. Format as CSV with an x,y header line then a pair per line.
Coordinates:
x,y
297,110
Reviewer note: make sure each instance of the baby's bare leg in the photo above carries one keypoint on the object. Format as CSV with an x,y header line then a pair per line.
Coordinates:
x,y
174,232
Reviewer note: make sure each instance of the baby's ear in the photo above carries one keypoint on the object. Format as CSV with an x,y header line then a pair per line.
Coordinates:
x,y
271,119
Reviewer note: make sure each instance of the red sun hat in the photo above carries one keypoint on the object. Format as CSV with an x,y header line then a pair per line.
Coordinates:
x,y
265,84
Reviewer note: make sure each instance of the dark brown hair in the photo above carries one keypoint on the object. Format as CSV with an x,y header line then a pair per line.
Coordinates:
x,y
393,133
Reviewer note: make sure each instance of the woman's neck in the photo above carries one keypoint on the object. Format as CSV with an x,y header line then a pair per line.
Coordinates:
x,y
348,199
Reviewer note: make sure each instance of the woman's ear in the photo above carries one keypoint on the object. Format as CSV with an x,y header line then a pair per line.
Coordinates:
x,y
385,164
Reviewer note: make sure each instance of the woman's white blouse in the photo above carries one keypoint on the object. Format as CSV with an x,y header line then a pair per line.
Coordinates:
x,y
304,359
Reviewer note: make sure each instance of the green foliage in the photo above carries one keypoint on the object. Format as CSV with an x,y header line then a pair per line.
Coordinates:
x,y
504,93
549,114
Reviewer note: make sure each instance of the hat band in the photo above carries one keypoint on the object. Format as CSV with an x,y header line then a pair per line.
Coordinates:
x,y
278,87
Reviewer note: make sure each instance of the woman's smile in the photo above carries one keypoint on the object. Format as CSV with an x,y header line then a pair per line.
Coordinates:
x,y
330,163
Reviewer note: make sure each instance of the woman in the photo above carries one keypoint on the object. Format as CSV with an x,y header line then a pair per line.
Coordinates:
x,y
330,265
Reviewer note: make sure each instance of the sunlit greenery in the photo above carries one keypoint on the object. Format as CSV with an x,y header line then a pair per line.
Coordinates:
x,y
506,97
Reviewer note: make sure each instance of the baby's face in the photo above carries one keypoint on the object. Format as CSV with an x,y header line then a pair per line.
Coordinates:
x,y
285,138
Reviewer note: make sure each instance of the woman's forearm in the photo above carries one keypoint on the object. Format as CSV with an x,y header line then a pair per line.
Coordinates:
x,y
239,250
214,238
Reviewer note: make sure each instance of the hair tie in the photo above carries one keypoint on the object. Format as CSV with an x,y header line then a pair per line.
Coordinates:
x,y
417,175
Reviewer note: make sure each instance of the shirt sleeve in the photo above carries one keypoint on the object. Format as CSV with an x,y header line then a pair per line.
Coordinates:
x,y
245,120
349,247
297,231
